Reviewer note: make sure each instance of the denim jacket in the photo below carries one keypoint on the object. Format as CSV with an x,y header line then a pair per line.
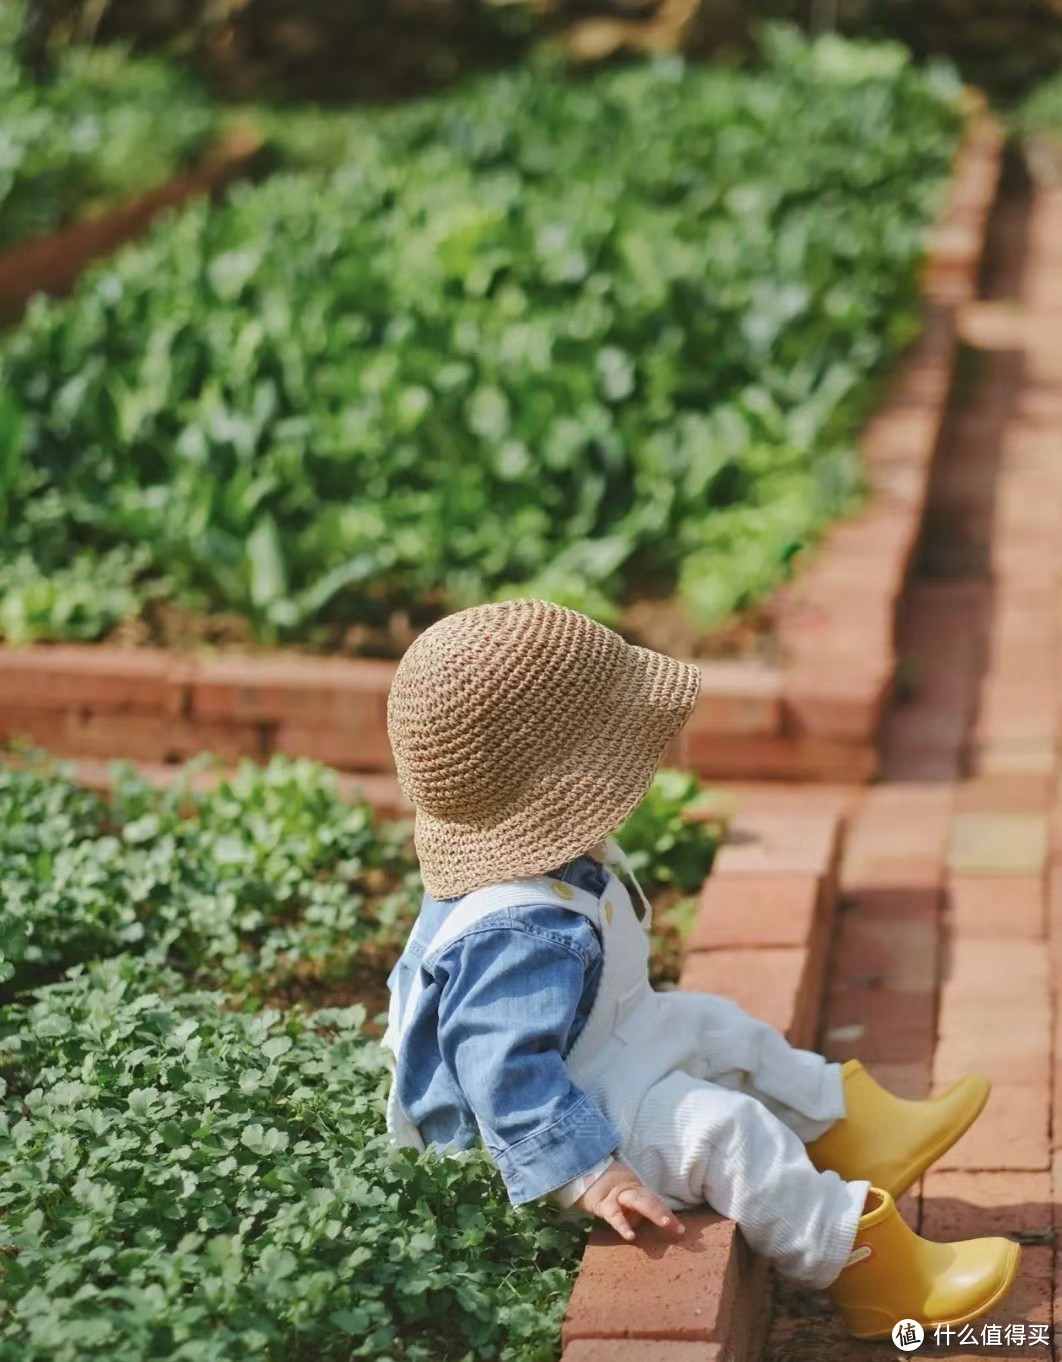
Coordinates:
x,y
484,1052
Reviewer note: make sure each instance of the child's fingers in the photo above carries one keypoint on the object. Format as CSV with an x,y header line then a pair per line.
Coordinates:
x,y
647,1203
612,1213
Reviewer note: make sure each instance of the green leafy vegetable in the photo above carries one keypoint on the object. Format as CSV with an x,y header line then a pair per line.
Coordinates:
x,y
179,1180
584,338
103,126
190,1174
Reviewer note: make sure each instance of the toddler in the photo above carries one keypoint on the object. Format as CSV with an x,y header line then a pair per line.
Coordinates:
x,y
521,1010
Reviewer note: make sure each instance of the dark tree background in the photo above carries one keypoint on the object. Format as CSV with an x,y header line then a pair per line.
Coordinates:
x,y
342,49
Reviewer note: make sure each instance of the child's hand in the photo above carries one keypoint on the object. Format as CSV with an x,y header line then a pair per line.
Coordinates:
x,y
619,1190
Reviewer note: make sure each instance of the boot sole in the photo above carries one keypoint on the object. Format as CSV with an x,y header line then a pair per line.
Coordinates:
x,y
959,1320
915,1170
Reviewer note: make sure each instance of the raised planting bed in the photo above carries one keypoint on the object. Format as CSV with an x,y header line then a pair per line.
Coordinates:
x,y
211,448
83,142
229,950
52,263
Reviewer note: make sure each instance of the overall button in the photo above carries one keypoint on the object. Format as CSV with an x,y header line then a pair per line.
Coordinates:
x,y
607,906
562,890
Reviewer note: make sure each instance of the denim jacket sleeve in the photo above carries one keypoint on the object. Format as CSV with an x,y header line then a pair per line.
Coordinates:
x,y
509,994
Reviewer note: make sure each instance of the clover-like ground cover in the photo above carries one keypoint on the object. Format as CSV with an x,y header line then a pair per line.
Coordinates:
x,y
186,1173
607,340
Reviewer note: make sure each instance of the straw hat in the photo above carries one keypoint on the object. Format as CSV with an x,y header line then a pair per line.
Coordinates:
x,y
523,734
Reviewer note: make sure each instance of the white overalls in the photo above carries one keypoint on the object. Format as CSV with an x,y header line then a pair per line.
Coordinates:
x,y
712,1105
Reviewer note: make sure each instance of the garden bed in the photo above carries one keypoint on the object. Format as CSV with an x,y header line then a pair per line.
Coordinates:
x,y
812,714
166,935
801,702
96,142
53,263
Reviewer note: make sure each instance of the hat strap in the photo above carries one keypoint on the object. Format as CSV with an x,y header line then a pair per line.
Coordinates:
x,y
614,852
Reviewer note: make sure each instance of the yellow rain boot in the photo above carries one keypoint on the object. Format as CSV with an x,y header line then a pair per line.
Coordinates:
x,y
893,1274
890,1141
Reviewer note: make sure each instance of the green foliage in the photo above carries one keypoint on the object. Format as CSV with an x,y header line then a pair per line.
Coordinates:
x,y
180,1181
187,1175
272,872
104,126
575,338
667,843
1041,110
1038,121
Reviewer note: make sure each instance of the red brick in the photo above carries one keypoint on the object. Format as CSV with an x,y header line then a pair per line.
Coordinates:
x,y
341,693
1019,711
836,704
879,1025
900,955
138,737
1016,793
351,747
641,1350
998,843
837,634
770,983
894,902
985,971
782,843
901,876
927,726
898,824
996,906
967,1205
998,1046
1011,758
757,910
1011,1133
918,763
737,698
659,1288
771,796
57,677
723,757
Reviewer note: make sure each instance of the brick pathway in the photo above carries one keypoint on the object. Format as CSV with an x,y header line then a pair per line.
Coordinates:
x,y
948,944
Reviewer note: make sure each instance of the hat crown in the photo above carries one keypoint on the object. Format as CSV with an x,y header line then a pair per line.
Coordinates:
x,y
487,699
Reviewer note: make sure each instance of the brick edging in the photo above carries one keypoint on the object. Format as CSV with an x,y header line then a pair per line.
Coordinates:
x,y
762,936
51,264
814,716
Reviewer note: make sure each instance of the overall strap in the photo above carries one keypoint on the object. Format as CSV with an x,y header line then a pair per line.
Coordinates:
x,y
512,894
616,855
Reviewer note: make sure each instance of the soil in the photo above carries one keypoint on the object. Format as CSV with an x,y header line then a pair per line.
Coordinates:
x,y
365,982
659,623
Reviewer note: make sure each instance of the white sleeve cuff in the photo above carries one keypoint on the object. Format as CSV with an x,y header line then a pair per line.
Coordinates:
x,y
570,1192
